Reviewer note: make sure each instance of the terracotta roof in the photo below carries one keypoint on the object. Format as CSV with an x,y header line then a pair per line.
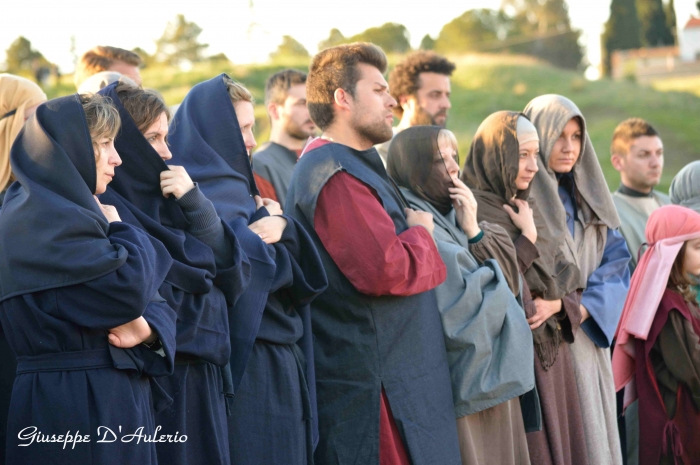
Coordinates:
x,y
692,23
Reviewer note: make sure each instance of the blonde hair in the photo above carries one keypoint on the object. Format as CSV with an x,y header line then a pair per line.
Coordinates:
x,y
102,117
237,91
445,136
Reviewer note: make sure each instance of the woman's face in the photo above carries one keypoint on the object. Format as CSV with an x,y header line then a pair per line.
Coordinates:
x,y
448,156
691,260
567,148
246,120
106,159
527,164
157,136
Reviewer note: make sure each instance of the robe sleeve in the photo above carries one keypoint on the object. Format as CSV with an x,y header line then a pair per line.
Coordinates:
x,y
606,291
496,244
526,252
680,350
361,239
122,295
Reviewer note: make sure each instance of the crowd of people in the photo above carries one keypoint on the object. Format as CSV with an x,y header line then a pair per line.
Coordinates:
x,y
350,293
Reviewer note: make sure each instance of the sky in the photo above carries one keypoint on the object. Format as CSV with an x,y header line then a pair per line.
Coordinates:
x,y
248,30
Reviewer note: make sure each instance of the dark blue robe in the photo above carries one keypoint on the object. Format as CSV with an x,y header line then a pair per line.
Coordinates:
x,y
273,419
66,277
195,288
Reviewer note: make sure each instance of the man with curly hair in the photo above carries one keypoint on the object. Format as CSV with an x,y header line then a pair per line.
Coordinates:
x,y
420,84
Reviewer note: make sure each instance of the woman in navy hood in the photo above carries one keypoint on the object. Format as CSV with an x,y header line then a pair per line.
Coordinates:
x,y
78,297
208,274
273,420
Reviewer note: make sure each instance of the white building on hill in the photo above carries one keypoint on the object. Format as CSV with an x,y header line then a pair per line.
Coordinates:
x,y
690,40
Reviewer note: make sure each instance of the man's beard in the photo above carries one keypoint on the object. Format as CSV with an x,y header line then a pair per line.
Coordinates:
x,y
297,131
423,118
376,132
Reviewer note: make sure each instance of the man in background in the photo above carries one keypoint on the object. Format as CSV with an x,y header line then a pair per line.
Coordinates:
x,y
638,154
291,126
106,58
420,84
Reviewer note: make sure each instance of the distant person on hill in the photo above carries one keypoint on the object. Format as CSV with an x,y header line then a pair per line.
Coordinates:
x,y
106,58
420,84
637,152
291,126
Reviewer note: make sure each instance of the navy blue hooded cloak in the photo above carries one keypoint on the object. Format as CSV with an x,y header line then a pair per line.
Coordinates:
x,y
66,277
273,419
195,288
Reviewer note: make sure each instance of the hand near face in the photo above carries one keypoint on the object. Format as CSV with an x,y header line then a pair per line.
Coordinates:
x,y
108,211
419,218
465,207
175,181
523,220
131,334
545,309
272,207
270,228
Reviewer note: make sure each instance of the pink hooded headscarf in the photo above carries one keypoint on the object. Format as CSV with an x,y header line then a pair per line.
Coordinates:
x,y
667,230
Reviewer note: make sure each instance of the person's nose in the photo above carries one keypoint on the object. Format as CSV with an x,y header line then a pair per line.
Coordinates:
x,y
114,158
532,165
165,152
446,102
391,102
452,167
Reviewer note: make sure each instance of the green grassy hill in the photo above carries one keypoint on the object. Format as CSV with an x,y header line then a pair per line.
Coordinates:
x,y
487,83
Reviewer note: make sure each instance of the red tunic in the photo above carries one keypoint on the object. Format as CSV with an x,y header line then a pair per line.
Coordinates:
x,y
361,239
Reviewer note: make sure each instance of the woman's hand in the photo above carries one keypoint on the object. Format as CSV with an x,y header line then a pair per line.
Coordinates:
x,y
108,211
523,220
273,208
584,313
465,207
132,334
175,181
270,228
545,309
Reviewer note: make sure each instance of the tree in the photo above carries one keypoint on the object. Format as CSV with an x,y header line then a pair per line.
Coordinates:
x,y
22,57
146,58
334,38
427,43
671,20
472,31
654,29
391,37
180,42
289,48
543,29
622,31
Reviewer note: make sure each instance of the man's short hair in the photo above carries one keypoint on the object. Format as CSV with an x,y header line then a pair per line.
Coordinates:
x,y
278,85
404,78
627,131
336,68
100,59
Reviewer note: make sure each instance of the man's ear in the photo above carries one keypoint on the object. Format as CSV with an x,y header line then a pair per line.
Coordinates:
x,y
618,161
407,102
343,99
272,110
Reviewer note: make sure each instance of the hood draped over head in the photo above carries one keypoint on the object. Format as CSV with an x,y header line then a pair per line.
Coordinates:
x,y
16,95
490,170
411,164
206,139
685,187
668,228
52,232
550,114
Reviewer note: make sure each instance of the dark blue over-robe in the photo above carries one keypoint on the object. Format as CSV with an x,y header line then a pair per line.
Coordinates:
x,y
273,420
66,277
198,290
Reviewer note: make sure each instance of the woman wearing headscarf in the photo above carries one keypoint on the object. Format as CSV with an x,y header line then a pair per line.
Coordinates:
x,y
78,296
574,197
19,98
500,166
273,419
657,356
208,274
488,340
685,187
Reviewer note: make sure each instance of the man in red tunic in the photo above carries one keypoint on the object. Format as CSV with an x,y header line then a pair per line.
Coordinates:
x,y
383,382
